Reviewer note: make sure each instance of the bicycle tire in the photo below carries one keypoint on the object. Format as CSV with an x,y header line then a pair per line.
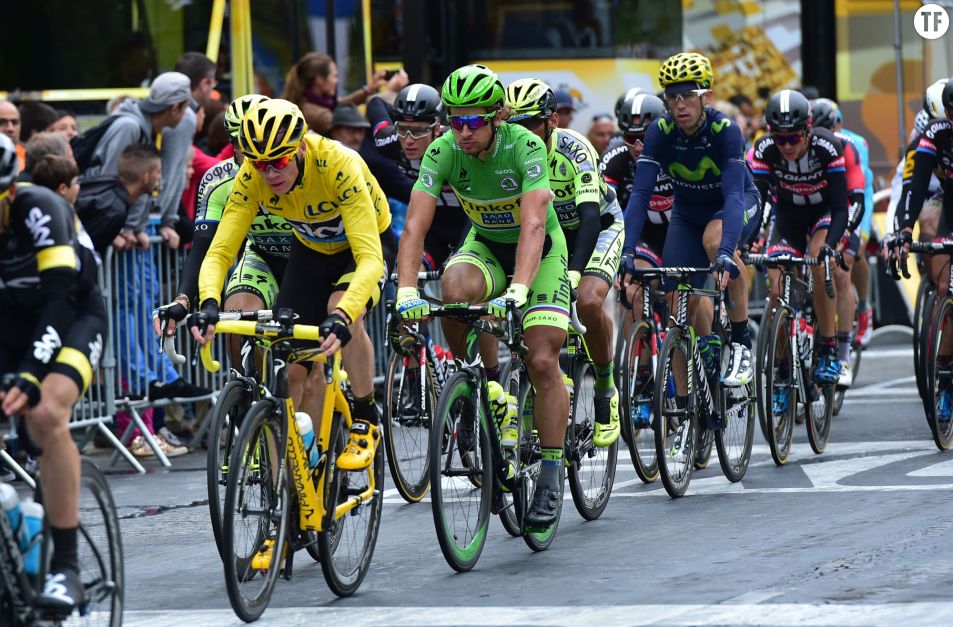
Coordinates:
x,y
942,431
99,548
529,455
640,442
921,317
840,393
703,447
760,378
460,395
235,394
923,367
676,455
591,469
261,447
735,440
780,428
344,573
407,436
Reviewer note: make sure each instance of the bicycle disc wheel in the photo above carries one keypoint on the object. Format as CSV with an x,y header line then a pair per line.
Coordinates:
x,y
675,427
406,422
591,469
640,441
819,414
940,381
347,543
255,523
99,549
224,420
460,473
780,382
735,440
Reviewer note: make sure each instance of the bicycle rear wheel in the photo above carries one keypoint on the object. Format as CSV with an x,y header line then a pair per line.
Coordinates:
x,y
735,440
922,317
940,381
780,387
255,523
676,428
761,371
526,397
99,550
407,417
820,414
347,543
591,469
224,420
460,473
635,391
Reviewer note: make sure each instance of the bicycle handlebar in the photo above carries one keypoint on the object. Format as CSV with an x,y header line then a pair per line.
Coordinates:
x,y
431,275
256,328
787,261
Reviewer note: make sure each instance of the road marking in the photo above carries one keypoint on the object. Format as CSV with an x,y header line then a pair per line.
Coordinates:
x,y
828,474
849,614
888,353
943,469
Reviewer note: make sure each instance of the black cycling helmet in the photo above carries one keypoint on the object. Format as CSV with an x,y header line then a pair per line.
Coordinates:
x,y
638,111
948,96
788,110
9,164
824,113
627,94
417,103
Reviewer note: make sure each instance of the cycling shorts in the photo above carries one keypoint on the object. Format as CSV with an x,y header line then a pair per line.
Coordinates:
x,y
794,236
257,273
78,357
604,261
312,277
548,301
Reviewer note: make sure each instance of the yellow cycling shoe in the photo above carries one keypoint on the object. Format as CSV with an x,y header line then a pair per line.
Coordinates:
x,y
607,430
360,449
262,558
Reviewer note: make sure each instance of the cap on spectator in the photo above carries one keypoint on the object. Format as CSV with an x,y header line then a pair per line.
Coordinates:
x,y
564,100
348,115
169,88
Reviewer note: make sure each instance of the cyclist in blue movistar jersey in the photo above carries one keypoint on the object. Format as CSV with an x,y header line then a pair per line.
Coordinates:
x,y
716,203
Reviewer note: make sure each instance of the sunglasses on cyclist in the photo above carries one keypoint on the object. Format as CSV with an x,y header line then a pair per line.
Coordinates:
x,y
690,96
473,122
633,139
788,139
277,165
406,132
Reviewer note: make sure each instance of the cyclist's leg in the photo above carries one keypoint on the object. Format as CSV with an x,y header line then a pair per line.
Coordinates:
x,y
252,286
846,304
860,277
828,366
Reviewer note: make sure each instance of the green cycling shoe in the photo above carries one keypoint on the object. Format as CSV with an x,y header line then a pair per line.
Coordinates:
x,y
607,420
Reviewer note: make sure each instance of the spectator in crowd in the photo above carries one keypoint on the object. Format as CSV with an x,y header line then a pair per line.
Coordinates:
x,y
104,200
58,174
65,123
10,126
312,84
565,107
39,146
754,120
600,133
35,117
348,126
219,143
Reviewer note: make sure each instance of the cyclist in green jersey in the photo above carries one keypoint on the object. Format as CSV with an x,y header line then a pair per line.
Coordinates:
x,y
591,219
499,172
254,283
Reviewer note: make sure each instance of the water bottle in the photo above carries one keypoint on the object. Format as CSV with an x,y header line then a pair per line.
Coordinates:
x,y
307,436
29,538
10,504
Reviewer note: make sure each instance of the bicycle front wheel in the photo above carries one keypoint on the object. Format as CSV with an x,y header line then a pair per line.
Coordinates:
x,y
781,388
99,549
461,477
922,316
761,371
940,380
637,391
676,417
735,439
529,455
347,543
255,523
409,401
591,469
224,421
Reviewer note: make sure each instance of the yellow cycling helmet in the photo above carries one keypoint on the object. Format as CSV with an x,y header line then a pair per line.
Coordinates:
x,y
272,129
529,98
686,67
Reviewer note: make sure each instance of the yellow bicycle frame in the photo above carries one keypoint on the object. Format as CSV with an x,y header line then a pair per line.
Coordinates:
x,y
310,496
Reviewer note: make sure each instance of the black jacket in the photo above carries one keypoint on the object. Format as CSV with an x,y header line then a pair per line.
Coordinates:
x,y
102,206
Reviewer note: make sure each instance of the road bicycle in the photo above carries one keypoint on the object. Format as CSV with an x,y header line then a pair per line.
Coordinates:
x,y
786,359
692,405
99,552
276,503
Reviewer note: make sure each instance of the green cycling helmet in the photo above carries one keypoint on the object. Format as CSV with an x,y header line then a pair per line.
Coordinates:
x,y
472,86
236,112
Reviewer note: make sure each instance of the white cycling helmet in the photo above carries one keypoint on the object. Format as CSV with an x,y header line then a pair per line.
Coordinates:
x,y
933,100
9,163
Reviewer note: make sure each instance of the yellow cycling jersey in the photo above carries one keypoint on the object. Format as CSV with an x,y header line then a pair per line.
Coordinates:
x,y
335,205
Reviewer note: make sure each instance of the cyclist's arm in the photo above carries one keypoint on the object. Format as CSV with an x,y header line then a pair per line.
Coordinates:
x,y
837,182
208,213
58,267
237,217
646,175
529,251
760,170
420,213
733,172
360,227
587,185
924,161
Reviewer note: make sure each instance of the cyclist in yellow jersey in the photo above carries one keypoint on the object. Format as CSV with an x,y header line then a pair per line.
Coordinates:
x,y
341,223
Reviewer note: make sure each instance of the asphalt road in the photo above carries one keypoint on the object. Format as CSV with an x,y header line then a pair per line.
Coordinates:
x,y
856,536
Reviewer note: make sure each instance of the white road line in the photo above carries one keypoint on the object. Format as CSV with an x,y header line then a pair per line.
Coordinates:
x,y
889,383
943,469
848,614
888,353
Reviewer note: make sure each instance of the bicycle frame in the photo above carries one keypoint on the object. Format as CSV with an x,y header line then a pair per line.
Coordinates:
x,y
311,508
